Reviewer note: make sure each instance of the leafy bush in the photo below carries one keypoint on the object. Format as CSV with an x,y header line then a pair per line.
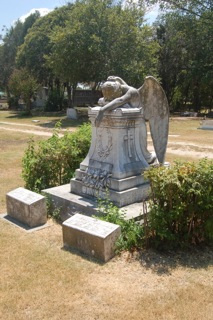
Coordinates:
x,y
181,207
131,232
53,162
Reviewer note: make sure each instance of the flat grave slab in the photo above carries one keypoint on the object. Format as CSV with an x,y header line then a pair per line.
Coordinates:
x,y
91,236
27,207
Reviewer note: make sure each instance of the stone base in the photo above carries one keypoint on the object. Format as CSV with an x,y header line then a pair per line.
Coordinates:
x,y
70,204
119,198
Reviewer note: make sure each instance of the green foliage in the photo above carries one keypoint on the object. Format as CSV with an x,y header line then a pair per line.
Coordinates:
x,y
132,234
13,102
101,38
22,84
55,100
12,40
52,212
37,44
54,161
181,204
185,59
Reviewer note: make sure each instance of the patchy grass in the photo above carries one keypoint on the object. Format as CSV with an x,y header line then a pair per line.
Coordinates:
x,y
46,120
40,281
12,146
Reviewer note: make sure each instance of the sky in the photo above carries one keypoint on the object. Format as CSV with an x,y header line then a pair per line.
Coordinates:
x,y
11,10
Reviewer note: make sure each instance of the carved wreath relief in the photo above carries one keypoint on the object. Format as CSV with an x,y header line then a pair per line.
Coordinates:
x,y
96,178
104,143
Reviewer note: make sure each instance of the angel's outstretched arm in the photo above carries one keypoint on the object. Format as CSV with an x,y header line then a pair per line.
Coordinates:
x,y
115,78
112,105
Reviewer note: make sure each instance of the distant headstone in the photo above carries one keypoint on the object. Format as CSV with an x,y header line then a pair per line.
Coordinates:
x,y
27,207
91,236
207,124
72,114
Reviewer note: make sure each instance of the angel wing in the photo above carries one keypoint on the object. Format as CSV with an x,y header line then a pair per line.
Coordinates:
x,y
156,111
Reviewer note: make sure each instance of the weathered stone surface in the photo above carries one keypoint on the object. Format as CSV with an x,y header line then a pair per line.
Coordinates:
x,y
72,113
119,198
70,204
27,207
115,160
118,154
91,236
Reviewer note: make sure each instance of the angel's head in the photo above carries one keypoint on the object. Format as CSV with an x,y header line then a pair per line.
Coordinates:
x,y
111,89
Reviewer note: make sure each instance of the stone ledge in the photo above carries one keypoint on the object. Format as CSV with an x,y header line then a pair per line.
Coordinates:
x,y
71,204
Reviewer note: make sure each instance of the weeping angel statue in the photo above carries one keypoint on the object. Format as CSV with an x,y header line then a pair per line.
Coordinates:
x,y
151,99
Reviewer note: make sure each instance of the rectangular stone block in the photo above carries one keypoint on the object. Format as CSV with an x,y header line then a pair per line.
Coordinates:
x,y
27,207
91,236
207,125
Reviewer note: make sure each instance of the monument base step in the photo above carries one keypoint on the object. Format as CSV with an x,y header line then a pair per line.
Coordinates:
x,y
119,198
70,204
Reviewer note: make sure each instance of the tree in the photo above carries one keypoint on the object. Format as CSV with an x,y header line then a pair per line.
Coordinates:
x,y
23,84
31,53
102,38
13,39
185,63
192,7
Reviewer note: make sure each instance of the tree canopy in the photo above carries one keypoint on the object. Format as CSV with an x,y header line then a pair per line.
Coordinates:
x,y
88,40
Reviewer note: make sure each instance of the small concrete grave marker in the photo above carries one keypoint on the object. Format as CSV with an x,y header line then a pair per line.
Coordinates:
x,y
27,207
94,237
207,124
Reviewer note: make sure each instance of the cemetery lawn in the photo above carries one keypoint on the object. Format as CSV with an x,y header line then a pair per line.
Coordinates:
x,y
40,280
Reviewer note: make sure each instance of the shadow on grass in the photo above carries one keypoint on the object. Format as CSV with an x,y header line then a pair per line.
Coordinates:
x,y
51,119
82,255
163,263
65,123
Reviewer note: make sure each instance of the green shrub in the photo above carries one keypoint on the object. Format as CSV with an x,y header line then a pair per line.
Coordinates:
x,y
53,162
181,207
131,231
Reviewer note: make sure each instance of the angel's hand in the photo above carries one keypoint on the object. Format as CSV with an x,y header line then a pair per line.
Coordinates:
x,y
99,117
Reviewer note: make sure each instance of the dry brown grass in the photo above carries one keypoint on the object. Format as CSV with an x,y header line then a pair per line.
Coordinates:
x,y
39,280
12,146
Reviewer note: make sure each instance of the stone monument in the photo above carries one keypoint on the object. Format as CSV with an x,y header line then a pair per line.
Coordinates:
x,y
118,153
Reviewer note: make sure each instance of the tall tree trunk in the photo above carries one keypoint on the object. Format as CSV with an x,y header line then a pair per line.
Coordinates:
x,y
28,107
69,94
